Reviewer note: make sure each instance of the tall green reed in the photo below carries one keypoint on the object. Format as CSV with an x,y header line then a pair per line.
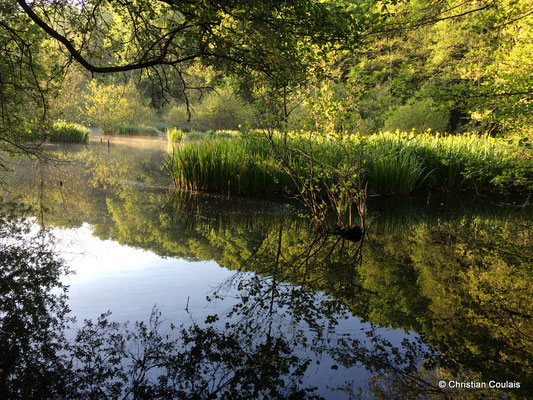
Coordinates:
x,y
70,132
226,166
393,163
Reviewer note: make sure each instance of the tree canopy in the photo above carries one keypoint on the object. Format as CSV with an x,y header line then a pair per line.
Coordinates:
x,y
408,64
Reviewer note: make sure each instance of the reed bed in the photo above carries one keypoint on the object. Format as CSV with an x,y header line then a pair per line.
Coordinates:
x,y
390,163
447,162
69,132
136,130
175,135
224,166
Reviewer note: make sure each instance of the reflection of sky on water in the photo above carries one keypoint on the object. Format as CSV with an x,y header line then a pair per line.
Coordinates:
x,y
129,282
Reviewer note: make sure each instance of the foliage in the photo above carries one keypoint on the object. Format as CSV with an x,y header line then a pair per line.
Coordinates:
x,y
266,44
218,109
177,116
418,116
162,126
368,66
466,59
68,104
193,135
196,135
34,308
109,106
63,131
25,81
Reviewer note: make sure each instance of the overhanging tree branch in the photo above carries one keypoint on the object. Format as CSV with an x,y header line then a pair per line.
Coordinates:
x,y
160,60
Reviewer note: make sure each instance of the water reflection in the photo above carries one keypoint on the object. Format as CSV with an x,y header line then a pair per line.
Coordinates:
x,y
288,298
33,310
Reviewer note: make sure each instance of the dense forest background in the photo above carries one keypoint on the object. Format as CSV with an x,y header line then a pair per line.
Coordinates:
x,y
449,66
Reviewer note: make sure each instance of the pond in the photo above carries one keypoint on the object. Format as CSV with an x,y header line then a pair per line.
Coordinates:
x,y
115,286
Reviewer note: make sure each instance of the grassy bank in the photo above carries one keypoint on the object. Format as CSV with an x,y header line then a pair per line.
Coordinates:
x,y
398,163
69,132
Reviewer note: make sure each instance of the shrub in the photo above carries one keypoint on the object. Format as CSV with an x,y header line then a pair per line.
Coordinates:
x,y
162,125
176,116
216,110
419,115
109,106
196,135
71,132
224,134
68,104
221,110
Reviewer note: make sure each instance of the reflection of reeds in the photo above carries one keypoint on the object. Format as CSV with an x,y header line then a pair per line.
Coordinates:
x,y
393,163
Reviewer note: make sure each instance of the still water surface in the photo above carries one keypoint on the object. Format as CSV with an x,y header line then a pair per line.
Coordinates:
x,y
240,298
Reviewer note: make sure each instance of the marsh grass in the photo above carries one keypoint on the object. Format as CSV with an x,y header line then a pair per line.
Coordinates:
x,y
175,135
395,173
222,166
137,130
392,163
451,162
70,132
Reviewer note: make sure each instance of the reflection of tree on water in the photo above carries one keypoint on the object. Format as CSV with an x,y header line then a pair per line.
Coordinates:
x,y
109,360
33,310
190,362
253,354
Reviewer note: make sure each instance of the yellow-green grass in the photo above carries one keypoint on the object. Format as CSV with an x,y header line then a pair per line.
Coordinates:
x,y
175,135
69,132
391,163
136,130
